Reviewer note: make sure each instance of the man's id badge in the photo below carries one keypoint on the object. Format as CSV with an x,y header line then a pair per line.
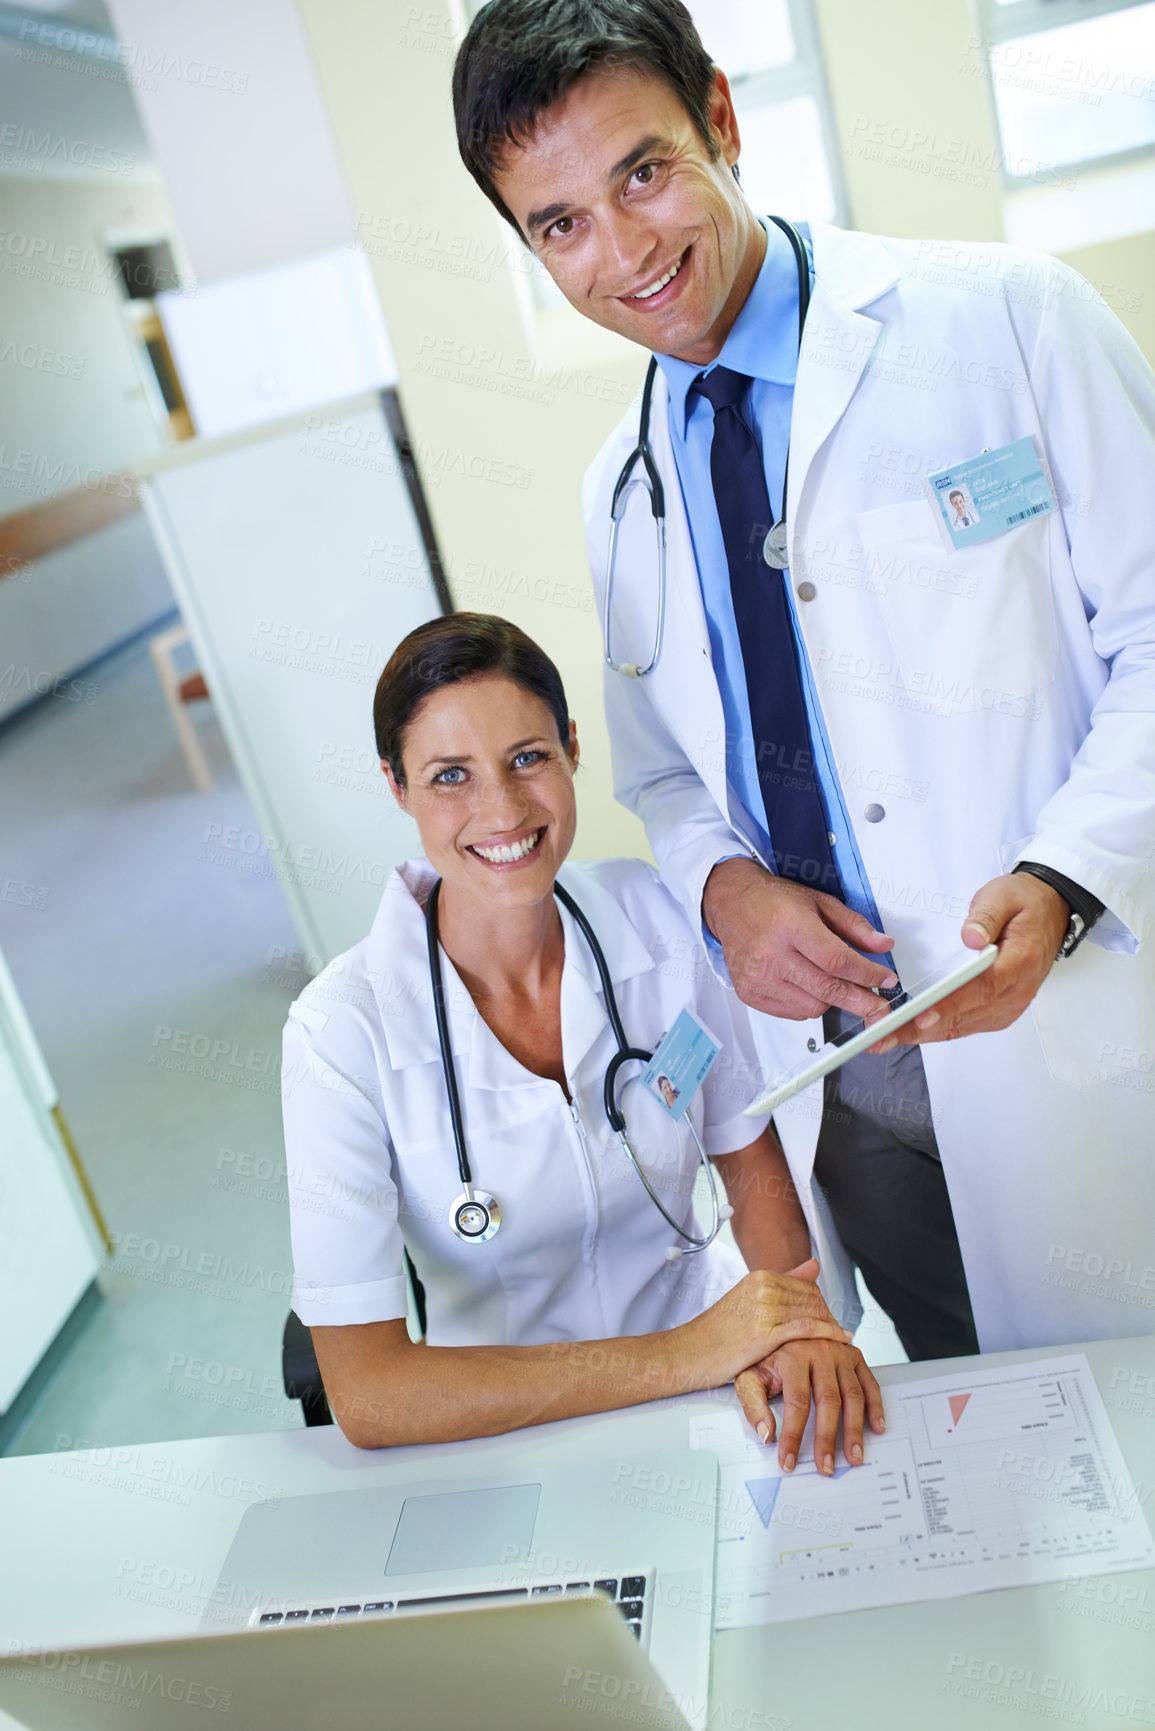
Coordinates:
x,y
681,1063
987,495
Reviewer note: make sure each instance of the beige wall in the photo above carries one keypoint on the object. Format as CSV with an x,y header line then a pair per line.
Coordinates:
x,y
1123,271
912,118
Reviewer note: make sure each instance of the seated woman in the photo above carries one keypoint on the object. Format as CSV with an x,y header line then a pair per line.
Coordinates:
x,y
567,1294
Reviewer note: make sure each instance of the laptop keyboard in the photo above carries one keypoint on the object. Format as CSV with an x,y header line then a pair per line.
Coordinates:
x,y
629,1593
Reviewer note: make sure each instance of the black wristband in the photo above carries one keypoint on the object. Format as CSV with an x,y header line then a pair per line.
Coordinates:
x,y
1085,908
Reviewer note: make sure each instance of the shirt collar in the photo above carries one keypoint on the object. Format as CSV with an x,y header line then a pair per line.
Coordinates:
x,y
398,967
763,340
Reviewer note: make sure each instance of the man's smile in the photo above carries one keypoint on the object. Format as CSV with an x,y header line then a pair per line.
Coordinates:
x,y
656,286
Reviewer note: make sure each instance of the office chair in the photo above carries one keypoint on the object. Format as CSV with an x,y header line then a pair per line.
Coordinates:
x,y
300,1371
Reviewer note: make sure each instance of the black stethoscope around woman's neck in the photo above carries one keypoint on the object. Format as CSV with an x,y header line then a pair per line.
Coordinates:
x,y
476,1214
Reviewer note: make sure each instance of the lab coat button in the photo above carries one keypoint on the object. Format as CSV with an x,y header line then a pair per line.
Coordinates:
x,y
874,813
812,1044
806,592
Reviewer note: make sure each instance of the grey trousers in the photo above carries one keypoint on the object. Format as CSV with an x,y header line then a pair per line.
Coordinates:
x,y
879,1169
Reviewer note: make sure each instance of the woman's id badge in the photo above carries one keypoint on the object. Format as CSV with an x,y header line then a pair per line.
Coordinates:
x,y
991,493
681,1063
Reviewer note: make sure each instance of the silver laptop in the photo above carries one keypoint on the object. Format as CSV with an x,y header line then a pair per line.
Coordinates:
x,y
503,1601
545,1664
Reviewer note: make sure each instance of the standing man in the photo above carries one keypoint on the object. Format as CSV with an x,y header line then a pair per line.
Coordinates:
x,y
846,716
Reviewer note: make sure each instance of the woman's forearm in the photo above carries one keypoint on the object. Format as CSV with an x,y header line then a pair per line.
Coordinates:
x,y
384,1390
768,1223
418,1394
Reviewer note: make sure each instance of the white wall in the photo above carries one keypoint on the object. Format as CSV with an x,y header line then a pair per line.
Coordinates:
x,y
64,610
243,146
284,316
72,403
73,410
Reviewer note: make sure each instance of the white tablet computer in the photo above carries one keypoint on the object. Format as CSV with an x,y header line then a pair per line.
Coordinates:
x,y
904,1009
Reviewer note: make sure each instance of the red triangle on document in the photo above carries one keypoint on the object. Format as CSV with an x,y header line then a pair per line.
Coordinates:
x,y
957,1405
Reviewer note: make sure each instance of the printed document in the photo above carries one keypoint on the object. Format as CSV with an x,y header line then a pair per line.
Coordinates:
x,y
994,1477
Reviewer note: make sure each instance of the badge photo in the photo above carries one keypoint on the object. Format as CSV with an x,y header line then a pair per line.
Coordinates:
x,y
681,1063
989,494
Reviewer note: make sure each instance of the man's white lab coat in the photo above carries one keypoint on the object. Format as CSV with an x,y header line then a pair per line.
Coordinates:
x,y
998,703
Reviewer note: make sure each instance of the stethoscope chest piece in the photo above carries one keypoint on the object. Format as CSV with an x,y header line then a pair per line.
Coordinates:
x,y
774,547
476,1216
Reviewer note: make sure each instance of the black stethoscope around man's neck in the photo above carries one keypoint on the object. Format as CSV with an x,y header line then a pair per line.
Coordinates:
x,y
650,481
476,1214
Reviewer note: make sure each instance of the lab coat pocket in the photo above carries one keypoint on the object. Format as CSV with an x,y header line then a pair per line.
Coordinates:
x,y
1089,1015
1087,1011
971,629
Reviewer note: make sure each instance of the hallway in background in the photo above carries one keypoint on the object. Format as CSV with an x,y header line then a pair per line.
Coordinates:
x,y
156,963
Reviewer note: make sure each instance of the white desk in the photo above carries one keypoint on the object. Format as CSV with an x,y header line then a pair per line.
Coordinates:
x,y
129,1542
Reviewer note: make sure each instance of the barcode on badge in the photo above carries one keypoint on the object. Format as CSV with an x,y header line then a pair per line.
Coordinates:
x,y
1021,516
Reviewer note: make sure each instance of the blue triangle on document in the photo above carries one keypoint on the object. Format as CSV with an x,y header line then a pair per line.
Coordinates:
x,y
764,1492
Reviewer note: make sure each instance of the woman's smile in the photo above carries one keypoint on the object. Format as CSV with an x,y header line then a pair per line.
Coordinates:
x,y
507,852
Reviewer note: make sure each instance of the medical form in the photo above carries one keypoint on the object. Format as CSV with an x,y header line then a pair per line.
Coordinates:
x,y
985,1478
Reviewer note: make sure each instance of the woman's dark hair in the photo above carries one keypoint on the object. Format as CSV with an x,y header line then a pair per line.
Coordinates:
x,y
520,57
443,651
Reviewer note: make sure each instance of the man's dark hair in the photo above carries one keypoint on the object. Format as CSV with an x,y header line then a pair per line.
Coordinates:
x,y
521,57
459,646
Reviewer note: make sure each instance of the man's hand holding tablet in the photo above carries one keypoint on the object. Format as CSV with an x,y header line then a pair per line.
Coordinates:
x,y
914,1003
1027,919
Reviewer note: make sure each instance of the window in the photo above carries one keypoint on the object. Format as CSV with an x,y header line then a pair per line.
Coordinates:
x,y
769,50
1073,84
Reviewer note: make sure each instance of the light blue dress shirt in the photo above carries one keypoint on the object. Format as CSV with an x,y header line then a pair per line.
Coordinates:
x,y
763,344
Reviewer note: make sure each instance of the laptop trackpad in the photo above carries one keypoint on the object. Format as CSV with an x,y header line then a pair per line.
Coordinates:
x,y
464,1529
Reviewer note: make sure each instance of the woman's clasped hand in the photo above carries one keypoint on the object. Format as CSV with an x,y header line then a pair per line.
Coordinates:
x,y
781,1339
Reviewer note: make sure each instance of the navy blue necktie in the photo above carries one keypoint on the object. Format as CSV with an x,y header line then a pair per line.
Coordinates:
x,y
794,814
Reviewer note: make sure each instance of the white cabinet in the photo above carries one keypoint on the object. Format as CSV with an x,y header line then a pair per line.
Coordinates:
x,y
299,564
49,1249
